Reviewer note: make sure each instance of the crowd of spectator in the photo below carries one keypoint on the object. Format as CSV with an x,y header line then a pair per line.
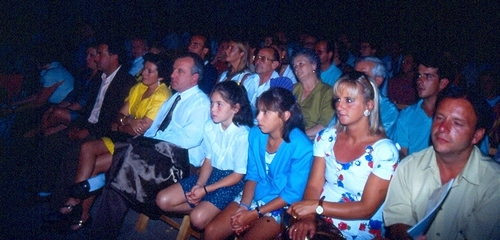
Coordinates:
x,y
354,133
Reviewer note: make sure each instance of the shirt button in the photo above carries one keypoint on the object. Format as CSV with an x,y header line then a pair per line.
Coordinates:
x,y
438,234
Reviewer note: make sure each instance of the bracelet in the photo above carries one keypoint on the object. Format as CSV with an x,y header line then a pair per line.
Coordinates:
x,y
258,212
244,205
121,120
205,188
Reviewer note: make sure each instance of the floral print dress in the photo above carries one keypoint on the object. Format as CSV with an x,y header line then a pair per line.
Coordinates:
x,y
345,182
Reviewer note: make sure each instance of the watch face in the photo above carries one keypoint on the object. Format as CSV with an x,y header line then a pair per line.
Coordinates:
x,y
319,210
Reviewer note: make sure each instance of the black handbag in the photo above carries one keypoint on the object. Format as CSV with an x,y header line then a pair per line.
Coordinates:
x,y
143,166
324,230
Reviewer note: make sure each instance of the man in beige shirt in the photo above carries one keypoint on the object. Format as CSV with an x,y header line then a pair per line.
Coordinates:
x,y
471,209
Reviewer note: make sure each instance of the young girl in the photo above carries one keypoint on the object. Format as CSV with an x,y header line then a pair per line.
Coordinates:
x,y
225,143
279,160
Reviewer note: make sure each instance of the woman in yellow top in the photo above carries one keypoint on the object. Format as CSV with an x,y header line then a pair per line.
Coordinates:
x,y
313,96
134,118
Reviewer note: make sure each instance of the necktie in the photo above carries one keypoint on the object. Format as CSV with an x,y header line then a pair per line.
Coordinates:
x,y
168,118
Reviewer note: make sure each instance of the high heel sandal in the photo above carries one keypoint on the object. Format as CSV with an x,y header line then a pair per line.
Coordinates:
x,y
80,224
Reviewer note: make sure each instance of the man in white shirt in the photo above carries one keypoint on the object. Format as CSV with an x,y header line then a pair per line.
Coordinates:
x,y
185,129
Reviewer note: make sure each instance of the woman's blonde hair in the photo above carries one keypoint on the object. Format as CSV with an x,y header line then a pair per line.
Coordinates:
x,y
242,47
350,82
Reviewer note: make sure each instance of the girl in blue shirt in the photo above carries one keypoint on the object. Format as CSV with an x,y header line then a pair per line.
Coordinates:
x,y
279,161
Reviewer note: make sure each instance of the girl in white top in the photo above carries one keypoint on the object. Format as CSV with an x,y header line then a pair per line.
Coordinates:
x,y
225,144
237,58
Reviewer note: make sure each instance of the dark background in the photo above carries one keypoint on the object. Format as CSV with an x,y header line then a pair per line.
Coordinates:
x,y
469,29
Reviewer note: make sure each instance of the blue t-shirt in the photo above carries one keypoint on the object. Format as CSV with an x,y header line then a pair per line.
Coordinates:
x,y
413,128
331,75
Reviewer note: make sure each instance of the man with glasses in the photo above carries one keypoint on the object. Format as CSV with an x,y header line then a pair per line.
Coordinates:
x,y
200,45
412,128
266,61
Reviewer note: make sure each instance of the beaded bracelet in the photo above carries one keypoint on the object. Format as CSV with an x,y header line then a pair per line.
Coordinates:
x,y
244,205
258,212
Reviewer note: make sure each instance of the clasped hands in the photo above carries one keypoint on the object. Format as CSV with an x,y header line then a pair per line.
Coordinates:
x,y
194,196
240,220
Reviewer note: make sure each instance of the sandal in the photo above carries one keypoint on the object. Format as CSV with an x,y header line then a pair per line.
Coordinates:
x,y
57,216
80,224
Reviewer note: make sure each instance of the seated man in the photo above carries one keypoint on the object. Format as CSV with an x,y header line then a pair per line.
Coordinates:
x,y
412,128
188,111
470,211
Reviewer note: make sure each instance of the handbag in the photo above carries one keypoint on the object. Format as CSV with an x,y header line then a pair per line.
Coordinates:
x,y
141,167
324,230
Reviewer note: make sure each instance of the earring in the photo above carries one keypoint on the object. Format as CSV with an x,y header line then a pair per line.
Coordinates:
x,y
367,113
314,71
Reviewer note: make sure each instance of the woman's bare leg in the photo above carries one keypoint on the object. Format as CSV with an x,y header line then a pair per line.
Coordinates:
x,y
220,226
93,156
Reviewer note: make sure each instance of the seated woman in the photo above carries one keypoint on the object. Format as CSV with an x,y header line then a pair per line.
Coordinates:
x,y
57,117
313,96
226,146
353,164
237,59
135,117
279,160
284,70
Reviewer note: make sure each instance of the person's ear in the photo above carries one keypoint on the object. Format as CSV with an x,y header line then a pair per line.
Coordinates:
x,y
286,115
478,135
330,55
443,82
205,51
370,105
378,81
236,108
275,64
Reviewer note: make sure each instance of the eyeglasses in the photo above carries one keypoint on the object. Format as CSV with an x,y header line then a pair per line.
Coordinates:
x,y
263,58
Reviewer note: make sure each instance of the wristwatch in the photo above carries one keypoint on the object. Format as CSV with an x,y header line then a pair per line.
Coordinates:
x,y
319,208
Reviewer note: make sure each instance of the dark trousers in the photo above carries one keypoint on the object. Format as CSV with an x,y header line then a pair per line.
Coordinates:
x,y
111,210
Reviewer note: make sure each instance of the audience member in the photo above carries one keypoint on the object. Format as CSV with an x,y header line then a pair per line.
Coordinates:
x,y
285,69
179,121
488,83
139,48
219,61
279,161
56,83
313,95
394,59
308,41
330,73
353,164
225,143
470,210
94,124
402,88
266,63
374,69
134,118
411,130
58,117
200,45
237,60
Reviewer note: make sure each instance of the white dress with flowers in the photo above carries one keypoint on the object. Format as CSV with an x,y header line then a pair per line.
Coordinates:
x,y
346,182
